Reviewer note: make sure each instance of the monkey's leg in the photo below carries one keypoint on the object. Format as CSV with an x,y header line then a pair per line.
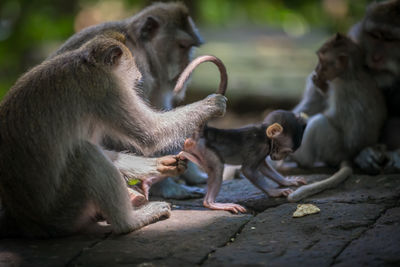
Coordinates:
x,y
215,169
95,181
270,172
260,181
321,142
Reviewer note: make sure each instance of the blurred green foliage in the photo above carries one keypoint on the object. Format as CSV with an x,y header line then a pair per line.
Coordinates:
x,y
31,29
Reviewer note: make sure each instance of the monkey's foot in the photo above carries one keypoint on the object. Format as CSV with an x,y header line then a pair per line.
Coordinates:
x,y
171,165
137,199
232,207
371,159
147,214
279,192
295,180
393,162
169,189
193,175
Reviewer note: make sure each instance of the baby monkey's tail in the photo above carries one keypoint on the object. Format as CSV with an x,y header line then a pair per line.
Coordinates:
x,y
311,189
183,78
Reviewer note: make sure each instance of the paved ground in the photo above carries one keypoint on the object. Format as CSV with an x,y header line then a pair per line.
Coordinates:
x,y
359,225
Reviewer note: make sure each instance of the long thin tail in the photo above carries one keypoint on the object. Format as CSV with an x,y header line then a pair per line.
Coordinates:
x,y
197,61
314,188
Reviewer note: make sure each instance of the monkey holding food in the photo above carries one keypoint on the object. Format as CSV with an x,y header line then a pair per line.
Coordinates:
x,y
278,136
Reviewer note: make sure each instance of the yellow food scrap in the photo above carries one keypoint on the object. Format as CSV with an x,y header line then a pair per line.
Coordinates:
x,y
305,209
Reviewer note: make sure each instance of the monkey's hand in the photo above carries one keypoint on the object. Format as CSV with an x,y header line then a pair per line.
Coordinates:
x,y
295,181
171,165
371,159
216,104
320,83
393,162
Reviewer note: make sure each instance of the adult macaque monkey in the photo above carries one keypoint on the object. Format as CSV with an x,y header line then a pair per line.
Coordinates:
x,y
379,34
54,175
162,37
354,117
279,136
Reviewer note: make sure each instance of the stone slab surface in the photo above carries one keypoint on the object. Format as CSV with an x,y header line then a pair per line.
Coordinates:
x,y
274,238
358,225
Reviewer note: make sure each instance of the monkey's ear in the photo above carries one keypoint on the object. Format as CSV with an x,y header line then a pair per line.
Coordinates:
x,y
112,55
149,28
339,36
274,130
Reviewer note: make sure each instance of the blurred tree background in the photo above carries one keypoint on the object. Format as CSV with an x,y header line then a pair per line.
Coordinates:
x,y
268,46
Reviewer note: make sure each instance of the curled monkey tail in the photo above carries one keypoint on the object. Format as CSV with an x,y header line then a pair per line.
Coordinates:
x,y
183,78
307,190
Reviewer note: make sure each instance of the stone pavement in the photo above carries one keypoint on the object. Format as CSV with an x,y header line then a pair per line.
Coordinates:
x,y
359,225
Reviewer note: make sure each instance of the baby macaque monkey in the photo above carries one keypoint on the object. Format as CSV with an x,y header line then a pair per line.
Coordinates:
x,y
278,136
178,162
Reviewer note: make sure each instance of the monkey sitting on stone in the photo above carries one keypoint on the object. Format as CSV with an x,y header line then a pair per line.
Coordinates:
x,y
353,119
55,177
278,136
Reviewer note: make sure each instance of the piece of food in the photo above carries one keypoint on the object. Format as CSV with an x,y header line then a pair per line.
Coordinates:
x,y
305,209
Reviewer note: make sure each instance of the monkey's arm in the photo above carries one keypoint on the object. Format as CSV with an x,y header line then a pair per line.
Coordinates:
x,y
270,172
314,100
152,131
260,181
146,168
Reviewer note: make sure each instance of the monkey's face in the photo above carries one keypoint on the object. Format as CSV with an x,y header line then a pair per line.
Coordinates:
x,y
328,68
174,46
281,147
382,49
380,37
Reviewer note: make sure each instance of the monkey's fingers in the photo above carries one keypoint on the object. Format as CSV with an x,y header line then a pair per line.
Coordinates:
x,y
168,170
296,180
286,191
170,160
182,166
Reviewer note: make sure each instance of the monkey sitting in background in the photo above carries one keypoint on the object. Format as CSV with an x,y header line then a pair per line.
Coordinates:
x,y
162,37
279,135
55,177
378,33
354,117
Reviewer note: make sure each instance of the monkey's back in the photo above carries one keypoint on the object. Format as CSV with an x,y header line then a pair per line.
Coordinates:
x,y
235,146
360,113
41,122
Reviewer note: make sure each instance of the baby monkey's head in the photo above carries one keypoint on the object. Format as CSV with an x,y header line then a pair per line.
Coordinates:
x,y
285,130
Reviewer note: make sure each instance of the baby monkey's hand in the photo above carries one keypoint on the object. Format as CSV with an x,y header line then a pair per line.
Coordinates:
x,y
171,165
